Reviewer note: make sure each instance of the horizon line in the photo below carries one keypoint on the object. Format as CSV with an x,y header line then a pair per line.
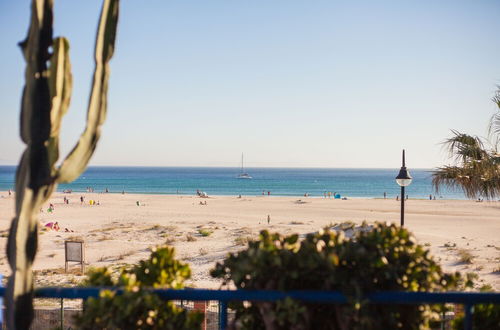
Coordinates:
x,y
250,167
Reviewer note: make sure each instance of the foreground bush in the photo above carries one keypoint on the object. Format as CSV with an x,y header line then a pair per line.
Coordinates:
x,y
136,308
385,258
485,316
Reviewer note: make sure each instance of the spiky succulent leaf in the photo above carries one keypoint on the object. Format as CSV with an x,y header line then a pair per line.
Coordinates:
x,y
61,84
79,157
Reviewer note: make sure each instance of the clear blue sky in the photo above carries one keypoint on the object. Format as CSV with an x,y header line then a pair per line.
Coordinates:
x,y
289,83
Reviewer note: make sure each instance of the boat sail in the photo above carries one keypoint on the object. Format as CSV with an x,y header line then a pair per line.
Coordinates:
x,y
243,174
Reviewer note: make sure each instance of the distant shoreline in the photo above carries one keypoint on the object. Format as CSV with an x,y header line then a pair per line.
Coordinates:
x,y
75,193
218,181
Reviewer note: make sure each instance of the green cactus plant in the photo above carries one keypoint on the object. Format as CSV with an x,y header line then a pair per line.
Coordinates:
x,y
45,100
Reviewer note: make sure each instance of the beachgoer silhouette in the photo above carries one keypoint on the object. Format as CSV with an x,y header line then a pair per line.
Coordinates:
x,y
268,219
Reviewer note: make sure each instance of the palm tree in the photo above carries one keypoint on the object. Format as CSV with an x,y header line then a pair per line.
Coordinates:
x,y
476,168
495,119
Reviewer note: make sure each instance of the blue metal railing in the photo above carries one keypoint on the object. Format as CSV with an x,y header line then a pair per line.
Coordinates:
x,y
468,299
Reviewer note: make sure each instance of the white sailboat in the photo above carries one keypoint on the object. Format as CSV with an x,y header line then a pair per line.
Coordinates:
x,y
243,174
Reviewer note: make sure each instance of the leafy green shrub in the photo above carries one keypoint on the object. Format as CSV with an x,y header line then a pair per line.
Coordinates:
x,y
137,308
485,316
386,258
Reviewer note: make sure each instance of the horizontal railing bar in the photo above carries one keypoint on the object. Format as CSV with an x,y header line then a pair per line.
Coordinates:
x,y
387,297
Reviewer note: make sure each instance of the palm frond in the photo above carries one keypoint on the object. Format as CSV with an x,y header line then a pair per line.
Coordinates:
x,y
474,181
494,126
463,147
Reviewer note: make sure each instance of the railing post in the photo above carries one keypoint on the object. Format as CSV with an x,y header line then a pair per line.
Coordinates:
x,y
222,315
469,309
62,313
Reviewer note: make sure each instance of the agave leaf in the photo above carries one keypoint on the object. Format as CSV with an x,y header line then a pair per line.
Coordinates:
x,y
79,157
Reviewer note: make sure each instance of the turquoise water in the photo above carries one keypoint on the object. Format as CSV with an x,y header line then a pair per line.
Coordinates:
x,y
223,181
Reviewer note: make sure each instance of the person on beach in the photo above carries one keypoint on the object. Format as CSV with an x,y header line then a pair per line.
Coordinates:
x,y
51,208
268,219
430,197
10,192
52,226
385,195
81,200
397,197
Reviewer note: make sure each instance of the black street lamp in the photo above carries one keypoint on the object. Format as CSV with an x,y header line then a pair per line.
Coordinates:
x,y
403,179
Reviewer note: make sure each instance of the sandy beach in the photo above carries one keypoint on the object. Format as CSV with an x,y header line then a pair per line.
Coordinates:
x,y
119,232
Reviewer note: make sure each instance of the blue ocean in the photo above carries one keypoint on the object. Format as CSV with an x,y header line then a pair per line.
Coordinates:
x,y
367,183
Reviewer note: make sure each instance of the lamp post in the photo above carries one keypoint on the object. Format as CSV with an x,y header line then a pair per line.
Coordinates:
x,y
403,179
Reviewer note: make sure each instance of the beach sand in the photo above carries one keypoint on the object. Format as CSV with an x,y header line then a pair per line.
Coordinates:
x,y
118,232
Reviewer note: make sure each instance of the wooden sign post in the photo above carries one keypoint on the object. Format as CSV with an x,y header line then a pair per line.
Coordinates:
x,y
74,252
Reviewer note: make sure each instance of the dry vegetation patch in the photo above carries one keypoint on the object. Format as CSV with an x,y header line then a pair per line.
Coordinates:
x,y
190,238
242,240
464,256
